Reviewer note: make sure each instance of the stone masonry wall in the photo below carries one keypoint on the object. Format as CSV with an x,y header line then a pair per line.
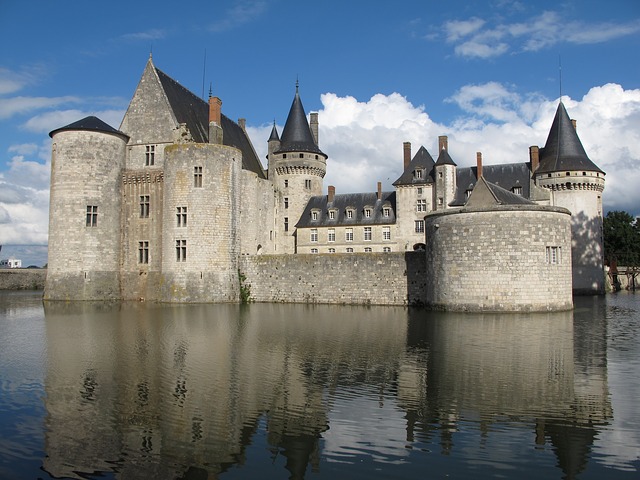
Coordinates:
x,y
496,259
355,279
22,279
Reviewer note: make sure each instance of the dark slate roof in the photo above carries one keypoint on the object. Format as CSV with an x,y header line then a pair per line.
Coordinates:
x,y
486,194
563,150
192,110
296,135
506,176
90,123
423,160
357,201
444,158
274,133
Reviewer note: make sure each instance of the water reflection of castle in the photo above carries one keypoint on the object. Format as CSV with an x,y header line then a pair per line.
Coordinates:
x,y
182,391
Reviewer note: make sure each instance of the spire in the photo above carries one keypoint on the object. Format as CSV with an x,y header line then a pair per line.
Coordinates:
x,y
563,149
444,158
274,133
296,135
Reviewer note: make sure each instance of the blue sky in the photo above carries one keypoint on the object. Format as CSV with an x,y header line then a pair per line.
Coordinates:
x,y
485,73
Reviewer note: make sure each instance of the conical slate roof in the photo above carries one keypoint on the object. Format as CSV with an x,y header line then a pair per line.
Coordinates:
x,y
274,134
90,123
563,150
444,158
297,136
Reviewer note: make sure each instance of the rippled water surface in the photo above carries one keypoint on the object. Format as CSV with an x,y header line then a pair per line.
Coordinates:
x,y
319,392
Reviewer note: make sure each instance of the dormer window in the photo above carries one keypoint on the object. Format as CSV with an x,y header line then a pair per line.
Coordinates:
x,y
386,212
332,214
517,190
418,174
314,215
367,212
467,194
349,213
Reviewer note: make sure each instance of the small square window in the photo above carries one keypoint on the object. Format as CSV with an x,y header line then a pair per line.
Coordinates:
x,y
314,250
367,249
349,250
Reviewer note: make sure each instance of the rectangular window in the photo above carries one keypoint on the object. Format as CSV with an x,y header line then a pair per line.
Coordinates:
x,y
143,252
553,255
314,250
421,205
348,235
386,249
386,212
314,234
331,235
418,174
286,202
332,215
367,234
197,177
314,215
150,155
181,216
332,250
286,184
517,190
307,184
181,250
440,201
386,233
92,215
349,250
419,226
367,249
349,213
367,213
419,191
144,206
286,224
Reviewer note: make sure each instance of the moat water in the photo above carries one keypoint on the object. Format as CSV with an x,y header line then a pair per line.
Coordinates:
x,y
318,392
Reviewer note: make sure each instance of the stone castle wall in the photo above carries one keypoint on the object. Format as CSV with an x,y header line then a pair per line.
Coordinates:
x,y
508,258
22,278
84,260
354,279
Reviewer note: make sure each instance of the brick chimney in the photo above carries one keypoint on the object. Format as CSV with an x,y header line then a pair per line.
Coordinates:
x,y
215,120
574,123
443,143
379,190
534,157
331,194
313,124
479,164
406,147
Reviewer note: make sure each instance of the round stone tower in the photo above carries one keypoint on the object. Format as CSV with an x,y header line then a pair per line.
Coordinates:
x,y
297,167
201,215
445,180
576,184
84,214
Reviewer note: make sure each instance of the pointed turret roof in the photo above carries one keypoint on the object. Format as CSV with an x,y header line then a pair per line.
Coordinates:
x,y
90,123
444,158
563,150
422,159
274,133
297,136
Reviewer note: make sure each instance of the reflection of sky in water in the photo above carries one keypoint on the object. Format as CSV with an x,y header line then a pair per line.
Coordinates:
x,y
323,389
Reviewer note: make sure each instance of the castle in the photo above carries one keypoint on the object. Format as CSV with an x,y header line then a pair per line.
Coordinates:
x,y
173,204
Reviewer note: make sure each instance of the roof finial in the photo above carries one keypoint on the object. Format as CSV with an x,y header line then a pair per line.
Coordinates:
x,y
560,75
297,84
210,89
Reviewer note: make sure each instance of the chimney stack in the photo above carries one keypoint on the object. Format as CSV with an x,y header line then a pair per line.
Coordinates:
x,y
534,157
314,126
407,154
574,123
379,190
243,124
331,194
479,164
215,122
443,143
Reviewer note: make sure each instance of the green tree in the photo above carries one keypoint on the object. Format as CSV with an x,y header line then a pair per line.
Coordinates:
x,y
622,238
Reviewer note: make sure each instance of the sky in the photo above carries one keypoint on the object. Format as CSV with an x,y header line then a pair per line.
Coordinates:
x,y
488,74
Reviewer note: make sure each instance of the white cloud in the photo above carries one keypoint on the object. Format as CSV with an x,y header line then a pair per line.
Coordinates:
x,y
21,105
47,121
364,138
244,11
153,34
481,38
